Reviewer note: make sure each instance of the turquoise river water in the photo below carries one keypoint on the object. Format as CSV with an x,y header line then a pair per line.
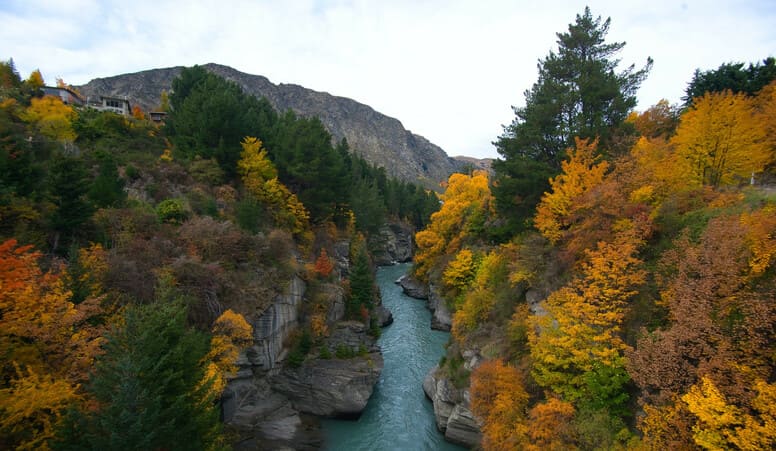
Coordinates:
x,y
398,415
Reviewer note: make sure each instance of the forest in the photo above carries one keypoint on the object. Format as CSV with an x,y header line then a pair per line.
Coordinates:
x,y
131,254
616,273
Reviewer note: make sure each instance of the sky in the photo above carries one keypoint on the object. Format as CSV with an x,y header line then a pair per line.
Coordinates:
x,y
448,70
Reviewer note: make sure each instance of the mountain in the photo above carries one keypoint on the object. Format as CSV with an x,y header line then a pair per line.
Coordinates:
x,y
380,139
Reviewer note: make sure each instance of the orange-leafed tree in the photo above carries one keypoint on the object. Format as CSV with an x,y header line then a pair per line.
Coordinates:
x,y
658,121
499,401
723,139
581,173
138,113
550,425
323,265
48,342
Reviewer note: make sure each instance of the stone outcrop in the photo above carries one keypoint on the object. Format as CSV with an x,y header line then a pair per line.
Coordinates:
x,y
251,408
441,318
413,287
380,139
392,244
335,387
451,410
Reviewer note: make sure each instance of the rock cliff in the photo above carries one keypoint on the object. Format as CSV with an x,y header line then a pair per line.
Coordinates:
x,y
380,139
392,244
451,410
335,387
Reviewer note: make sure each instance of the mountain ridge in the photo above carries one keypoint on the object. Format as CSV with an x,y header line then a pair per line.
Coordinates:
x,y
379,138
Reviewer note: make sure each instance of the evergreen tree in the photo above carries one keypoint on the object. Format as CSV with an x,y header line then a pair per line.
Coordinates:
x,y
361,282
731,76
309,165
578,94
367,205
68,183
210,117
108,188
150,387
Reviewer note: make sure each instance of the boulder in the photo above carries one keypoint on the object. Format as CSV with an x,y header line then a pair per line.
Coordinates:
x,y
412,287
384,316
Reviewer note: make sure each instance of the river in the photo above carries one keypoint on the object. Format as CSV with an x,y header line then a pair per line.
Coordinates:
x,y
398,415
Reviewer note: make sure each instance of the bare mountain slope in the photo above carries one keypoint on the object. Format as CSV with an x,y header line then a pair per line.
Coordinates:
x,y
380,139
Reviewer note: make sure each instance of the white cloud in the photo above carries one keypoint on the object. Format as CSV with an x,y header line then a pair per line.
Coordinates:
x,y
448,70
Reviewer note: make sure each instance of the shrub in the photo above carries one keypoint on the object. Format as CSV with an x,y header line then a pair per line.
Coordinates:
x,y
172,211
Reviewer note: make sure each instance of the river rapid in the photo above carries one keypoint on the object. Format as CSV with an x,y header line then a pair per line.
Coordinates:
x,y
398,415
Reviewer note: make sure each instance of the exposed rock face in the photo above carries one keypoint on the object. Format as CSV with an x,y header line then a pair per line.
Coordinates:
x,y
380,139
273,326
451,410
334,387
392,244
260,416
441,318
413,287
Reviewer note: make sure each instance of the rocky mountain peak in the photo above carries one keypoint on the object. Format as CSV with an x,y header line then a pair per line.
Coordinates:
x,y
380,139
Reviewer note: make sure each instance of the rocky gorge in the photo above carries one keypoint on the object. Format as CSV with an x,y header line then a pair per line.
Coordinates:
x,y
451,402
271,403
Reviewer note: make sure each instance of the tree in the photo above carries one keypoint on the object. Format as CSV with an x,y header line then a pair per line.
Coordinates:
x,y
576,346
150,385
51,117
210,116
309,165
323,264
107,190
68,183
733,77
32,407
581,173
361,282
578,94
230,333
35,80
723,139
260,179
499,400
461,219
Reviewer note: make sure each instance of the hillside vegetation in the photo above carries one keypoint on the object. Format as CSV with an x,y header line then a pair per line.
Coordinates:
x,y
629,302
131,255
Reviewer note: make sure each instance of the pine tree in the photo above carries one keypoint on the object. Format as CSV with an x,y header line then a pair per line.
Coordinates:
x,y
578,94
151,386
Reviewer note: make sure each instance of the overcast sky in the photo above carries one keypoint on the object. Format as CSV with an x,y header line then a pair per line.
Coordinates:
x,y
448,70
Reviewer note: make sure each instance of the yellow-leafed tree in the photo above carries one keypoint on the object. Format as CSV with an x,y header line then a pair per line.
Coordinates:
x,y
51,117
723,139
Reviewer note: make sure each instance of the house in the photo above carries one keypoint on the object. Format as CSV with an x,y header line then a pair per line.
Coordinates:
x,y
118,105
68,96
157,117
